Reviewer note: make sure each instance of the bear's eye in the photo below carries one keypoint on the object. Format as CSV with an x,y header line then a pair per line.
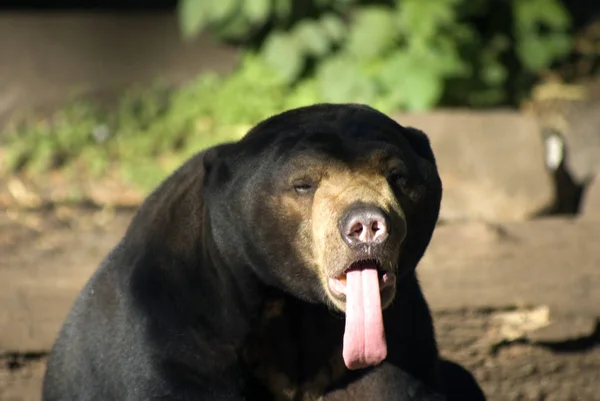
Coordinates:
x,y
303,186
395,176
398,179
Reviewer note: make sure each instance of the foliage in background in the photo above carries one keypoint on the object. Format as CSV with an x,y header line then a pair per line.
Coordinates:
x,y
391,54
404,54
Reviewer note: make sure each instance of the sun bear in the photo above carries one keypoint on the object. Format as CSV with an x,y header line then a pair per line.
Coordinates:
x,y
277,267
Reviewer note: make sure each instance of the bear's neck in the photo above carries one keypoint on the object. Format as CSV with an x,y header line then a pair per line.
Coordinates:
x,y
295,347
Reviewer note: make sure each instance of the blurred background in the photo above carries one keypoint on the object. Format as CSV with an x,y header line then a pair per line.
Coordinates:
x,y
101,99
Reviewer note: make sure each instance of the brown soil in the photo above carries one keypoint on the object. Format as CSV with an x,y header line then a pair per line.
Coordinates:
x,y
516,371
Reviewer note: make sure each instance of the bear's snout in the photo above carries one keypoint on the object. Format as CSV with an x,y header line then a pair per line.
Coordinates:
x,y
364,225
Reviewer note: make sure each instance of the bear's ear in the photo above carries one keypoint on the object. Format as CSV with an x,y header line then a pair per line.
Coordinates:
x,y
420,143
213,157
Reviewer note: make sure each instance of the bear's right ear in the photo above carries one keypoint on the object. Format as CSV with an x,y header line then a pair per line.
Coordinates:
x,y
214,156
209,159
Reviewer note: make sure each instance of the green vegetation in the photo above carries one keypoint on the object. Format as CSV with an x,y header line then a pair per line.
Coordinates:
x,y
404,54
392,54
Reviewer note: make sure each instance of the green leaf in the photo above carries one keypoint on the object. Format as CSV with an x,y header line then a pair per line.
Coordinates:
x,y
422,20
560,44
372,32
341,80
524,14
554,14
282,53
311,37
193,15
539,50
414,79
257,11
237,26
283,8
333,26
395,67
222,9
425,89
534,53
444,57
304,94
529,13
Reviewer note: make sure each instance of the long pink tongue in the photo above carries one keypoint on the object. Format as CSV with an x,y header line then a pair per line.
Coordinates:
x,y
364,336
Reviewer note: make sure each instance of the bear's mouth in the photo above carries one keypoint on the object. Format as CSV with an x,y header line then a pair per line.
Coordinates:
x,y
337,285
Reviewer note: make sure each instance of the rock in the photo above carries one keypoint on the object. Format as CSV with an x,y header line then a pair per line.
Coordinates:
x,y
491,163
549,262
570,118
516,324
582,142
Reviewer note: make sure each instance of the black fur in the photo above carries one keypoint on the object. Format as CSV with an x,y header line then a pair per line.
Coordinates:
x,y
172,309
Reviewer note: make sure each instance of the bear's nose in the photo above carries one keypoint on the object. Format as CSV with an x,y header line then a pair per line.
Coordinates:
x,y
364,225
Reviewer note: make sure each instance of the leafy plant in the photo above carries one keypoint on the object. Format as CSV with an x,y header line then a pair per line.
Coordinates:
x,y
399,54
536,50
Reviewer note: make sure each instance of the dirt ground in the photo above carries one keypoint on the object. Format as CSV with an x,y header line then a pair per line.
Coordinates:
x,y
515,371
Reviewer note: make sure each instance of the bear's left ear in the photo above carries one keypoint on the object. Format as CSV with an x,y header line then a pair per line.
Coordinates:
x,y
420,143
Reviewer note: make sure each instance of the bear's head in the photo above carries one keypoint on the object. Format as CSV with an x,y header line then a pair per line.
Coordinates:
x,y
331,203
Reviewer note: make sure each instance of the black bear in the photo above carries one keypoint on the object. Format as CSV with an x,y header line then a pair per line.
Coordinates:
x,y
278,267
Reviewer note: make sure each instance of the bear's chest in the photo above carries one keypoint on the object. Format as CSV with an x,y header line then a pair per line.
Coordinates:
x,y
296,351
